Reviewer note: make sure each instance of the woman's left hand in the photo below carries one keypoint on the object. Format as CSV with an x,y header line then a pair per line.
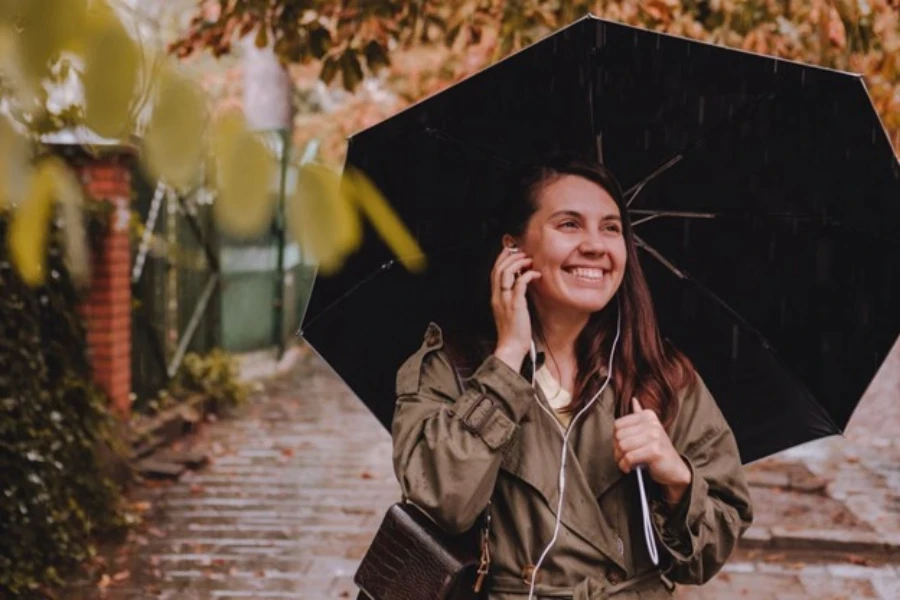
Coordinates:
x,y
640,439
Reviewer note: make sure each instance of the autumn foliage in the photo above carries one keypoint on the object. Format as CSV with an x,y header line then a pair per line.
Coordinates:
x,y
433,43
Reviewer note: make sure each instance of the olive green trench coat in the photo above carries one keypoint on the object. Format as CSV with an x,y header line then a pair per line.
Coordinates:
x,y
460,444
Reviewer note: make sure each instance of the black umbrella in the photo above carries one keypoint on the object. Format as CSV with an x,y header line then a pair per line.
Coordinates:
x,y
765,194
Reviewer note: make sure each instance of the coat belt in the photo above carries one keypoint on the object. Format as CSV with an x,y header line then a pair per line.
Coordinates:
x,y
589,589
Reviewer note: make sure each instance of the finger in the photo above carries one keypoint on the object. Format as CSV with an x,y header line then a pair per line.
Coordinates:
x,y
512,275
506,255
499,271
522,282
636,405
634,442
629,420
506,275
647,430
636,458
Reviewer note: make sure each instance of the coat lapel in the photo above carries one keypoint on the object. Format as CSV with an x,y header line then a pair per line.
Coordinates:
x,y
533,457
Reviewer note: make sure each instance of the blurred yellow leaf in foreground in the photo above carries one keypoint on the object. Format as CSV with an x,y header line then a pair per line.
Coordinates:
x,y
173,142
245,170
362,192
110,76
47,28
29,229
321,219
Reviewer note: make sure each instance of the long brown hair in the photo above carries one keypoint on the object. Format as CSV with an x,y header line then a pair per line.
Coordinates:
x,y
644,366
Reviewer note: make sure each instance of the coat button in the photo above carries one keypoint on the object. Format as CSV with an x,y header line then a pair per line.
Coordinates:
x,y
527,573
615,576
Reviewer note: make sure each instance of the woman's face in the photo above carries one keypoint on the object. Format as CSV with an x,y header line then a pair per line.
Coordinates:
x,y
576,240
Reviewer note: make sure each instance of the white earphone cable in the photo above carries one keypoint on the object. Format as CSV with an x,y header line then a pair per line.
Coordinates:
x,y
565,433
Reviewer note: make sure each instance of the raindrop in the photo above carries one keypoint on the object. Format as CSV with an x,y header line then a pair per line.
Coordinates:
x,y
735,333
774,66
782,313
702,110
54,274
802,78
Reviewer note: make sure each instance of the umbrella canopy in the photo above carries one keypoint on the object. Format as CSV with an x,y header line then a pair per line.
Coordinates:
x,y
765,196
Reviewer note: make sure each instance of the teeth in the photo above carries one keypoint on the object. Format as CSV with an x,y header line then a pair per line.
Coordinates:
x,y
587,273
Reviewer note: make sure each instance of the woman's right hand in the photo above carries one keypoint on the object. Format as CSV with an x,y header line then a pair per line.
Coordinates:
x,y
509,282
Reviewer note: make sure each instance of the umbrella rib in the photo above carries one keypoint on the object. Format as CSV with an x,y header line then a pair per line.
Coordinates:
x,y
702,289
632,192
384,267
655,214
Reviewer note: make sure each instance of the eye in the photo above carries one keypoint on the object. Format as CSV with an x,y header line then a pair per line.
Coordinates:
x,y
613,227
568,224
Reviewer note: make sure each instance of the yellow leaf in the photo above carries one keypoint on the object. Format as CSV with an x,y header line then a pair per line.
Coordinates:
x,y
28,232
363,192
48,27
245,171
320,218
173,142
110,76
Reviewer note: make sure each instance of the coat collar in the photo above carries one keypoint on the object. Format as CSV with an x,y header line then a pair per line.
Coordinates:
x,y
533,457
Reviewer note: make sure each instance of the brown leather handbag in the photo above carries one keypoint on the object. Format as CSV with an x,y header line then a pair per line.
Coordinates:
x,y
411,558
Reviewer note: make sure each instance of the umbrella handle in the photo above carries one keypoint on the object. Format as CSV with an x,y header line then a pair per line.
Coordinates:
x,y
648,525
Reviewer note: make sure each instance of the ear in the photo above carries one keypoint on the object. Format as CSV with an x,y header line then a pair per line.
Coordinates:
x,y
509,241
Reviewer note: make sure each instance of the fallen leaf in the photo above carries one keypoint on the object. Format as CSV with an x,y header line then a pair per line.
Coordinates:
x,y
104,582
121,576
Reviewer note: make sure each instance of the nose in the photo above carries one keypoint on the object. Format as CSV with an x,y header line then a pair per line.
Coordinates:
x,y
592,244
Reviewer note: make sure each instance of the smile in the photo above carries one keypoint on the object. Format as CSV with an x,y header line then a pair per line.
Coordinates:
x,y
587,274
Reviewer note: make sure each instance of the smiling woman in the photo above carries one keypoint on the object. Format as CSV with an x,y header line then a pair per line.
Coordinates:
x,y
574,389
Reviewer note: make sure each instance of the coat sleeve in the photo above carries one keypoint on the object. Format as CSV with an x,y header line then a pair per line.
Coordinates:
x,y
701,531
448,442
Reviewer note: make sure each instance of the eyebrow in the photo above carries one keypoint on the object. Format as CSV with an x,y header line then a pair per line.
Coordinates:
x,y
572,213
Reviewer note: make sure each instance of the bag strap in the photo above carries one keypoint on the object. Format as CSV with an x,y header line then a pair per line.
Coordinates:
x,y
484,564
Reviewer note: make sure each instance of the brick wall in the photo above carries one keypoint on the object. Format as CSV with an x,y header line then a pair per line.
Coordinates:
x,y
107,307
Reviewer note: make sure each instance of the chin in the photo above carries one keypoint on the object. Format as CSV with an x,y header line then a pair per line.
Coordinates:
x,y
586,305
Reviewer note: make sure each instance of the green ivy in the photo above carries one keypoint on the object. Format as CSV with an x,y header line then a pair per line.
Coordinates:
x,y
55,431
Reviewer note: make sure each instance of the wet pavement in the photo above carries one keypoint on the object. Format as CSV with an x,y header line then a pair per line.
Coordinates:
x,y
299,480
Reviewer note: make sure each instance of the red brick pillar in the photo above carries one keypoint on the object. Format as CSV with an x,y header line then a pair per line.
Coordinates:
x,y
107,307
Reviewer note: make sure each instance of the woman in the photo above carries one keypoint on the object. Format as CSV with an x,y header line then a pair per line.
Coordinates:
x,y
568,281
